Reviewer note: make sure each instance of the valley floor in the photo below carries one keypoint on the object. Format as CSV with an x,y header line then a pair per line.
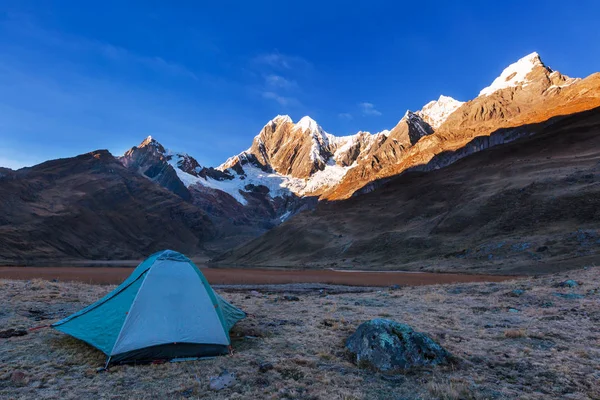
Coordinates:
x,y
525,339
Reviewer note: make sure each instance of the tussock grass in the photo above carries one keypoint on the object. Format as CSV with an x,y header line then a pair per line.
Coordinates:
x,y
549,349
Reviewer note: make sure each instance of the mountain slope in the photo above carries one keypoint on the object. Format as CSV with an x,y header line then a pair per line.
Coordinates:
x,y
526,92
91,207
504,209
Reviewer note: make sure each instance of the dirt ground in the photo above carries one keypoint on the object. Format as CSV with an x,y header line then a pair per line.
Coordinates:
x,y
239,276
540,343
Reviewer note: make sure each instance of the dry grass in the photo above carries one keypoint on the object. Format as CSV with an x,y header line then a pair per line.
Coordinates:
x,y
550,348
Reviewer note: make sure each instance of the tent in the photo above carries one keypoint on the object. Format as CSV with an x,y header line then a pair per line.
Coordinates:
x,y
164,310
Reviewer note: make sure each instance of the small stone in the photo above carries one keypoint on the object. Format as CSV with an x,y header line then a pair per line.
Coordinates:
x,y
395,287
291,298
513,310
18,378
516,293
255,293
224,380
264,367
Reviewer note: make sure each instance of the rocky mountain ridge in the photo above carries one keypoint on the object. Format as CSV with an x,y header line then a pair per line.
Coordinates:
x,y
288,159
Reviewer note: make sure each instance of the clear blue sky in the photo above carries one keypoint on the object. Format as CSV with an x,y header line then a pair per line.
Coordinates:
x,y
205,76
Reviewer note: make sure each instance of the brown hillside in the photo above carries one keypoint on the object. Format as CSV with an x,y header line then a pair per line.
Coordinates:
x,y
92,207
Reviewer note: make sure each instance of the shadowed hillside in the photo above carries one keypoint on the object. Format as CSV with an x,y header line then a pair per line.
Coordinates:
x,y
91,207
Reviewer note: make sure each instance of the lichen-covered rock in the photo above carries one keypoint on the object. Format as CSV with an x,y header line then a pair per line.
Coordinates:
x,y
391,346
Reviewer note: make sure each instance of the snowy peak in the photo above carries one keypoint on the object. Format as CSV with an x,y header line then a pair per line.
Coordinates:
x,y
515,74
437,111
280,119
151,142
306,123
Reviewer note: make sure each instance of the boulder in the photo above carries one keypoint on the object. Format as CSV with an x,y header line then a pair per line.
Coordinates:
x,y
390,346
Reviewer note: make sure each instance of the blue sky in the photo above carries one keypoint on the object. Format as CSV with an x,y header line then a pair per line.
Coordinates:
x,y
204,77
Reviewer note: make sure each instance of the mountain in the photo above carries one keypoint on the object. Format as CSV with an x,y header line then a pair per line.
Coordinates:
x,y
238,201
292,166
526,92
530,206
91,207
289,165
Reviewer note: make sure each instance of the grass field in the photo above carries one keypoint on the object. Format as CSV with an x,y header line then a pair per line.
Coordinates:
x,y
537,344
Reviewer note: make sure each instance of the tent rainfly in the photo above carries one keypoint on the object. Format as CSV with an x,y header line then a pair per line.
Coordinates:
x,y
164,310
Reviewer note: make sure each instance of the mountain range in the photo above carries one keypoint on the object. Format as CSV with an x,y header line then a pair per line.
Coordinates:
x,y
290,168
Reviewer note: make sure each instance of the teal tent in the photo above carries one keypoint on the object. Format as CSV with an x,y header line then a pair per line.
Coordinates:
x,y
164,310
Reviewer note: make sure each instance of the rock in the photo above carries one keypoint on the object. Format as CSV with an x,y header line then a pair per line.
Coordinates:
x,y
291,298
12,332
395,287
224,380
255,293
570,296
391,346
568,283
19,378
264,367
513,310
541,249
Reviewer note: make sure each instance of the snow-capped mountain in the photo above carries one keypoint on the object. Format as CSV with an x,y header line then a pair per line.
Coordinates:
x,y
297,160
522,73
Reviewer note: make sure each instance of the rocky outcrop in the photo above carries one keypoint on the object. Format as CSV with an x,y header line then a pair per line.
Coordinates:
x,y
297,150
389,346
